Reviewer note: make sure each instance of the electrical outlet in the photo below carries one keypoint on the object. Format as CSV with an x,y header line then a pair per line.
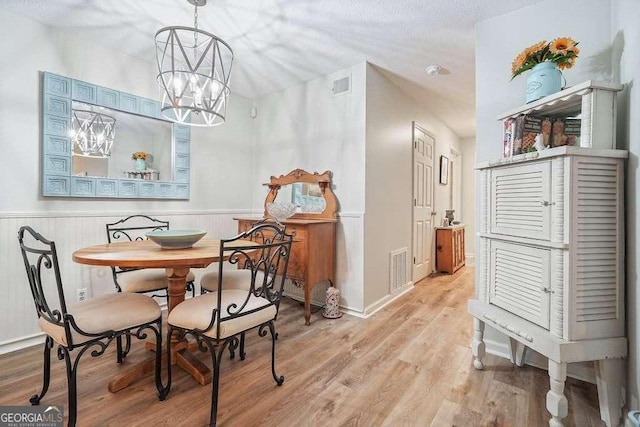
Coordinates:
x,y
81,294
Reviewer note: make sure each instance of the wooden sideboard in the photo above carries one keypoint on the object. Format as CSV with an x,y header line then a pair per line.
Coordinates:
x,y
449,248
312,258
313,226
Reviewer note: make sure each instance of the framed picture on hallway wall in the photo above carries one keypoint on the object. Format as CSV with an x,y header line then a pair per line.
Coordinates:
x,y
444,170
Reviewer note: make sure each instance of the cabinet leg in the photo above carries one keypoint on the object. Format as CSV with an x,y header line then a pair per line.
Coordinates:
x,y
557,403
609,381
517,352
477,344
307,305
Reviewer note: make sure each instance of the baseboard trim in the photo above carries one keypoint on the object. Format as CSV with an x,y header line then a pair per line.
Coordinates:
x,y
470,259
21,343
353,312
345,310
382,302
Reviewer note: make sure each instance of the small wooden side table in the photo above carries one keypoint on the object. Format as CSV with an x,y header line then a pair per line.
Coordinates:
x,y
450,248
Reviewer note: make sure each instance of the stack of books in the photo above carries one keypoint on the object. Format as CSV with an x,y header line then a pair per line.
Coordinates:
x,y
527,133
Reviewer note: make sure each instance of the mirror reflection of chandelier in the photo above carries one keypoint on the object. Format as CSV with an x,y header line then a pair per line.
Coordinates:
x,y
193,71
92,133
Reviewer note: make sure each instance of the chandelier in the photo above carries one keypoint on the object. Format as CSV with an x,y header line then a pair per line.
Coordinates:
x,y
92,134
193,72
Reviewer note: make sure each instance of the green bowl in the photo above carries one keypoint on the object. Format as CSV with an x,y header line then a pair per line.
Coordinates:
x,y
175,239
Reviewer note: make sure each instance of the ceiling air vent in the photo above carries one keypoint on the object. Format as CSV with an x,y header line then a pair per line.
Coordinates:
x,y
341,86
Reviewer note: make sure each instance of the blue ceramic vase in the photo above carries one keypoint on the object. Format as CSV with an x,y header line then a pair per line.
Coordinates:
x,y
544,79
140,165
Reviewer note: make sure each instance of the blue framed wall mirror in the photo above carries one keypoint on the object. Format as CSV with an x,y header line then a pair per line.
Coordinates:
x,y
89,136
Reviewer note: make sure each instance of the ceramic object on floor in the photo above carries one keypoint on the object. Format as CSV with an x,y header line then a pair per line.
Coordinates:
x,y
332,308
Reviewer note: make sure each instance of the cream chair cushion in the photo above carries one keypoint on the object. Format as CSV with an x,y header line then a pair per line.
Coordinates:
x,y
104,313
146,280
231,279
196,313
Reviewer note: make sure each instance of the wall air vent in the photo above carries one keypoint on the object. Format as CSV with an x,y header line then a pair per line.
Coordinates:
x,y
341,86
398,270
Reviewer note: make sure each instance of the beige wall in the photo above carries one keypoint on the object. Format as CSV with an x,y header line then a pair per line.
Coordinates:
x,y
625,44
388,194
468,147
306,127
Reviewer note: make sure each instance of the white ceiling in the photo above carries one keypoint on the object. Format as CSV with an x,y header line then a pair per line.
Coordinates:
x,y
279,43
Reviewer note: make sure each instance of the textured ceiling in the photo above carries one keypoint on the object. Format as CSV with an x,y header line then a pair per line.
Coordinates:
x,y
279,43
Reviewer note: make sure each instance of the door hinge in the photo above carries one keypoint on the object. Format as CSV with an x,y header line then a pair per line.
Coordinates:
x,y
414,260
415,144
415,202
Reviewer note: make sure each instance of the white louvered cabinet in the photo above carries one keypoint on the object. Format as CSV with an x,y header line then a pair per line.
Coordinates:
x,y
550,267
516,203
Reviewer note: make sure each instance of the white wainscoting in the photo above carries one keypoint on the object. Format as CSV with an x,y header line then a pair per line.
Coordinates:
x,y
72,231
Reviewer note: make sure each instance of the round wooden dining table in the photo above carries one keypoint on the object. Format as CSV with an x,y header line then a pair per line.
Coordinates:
x,y
177,262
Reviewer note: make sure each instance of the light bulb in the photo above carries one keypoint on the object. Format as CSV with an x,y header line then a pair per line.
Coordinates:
x,y
177,85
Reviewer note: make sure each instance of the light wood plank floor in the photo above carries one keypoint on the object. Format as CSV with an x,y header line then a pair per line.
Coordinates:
x,y
407,365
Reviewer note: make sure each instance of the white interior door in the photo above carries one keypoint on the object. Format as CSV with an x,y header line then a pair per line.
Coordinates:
x,y
423,214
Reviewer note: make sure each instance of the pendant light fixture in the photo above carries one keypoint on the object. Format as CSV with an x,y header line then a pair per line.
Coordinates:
x,y
193,72
92,133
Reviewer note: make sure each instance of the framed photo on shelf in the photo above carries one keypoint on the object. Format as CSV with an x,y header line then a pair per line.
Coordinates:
x,y
444,170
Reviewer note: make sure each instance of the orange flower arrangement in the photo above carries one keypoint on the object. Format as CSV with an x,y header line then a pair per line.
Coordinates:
x,y
139,155
563,51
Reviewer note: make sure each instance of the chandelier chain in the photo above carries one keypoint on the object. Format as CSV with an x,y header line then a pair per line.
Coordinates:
x,y
195,25
194,79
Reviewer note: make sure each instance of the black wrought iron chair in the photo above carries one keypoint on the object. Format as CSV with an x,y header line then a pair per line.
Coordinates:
x,y
137,280
238,277
220,318
89,324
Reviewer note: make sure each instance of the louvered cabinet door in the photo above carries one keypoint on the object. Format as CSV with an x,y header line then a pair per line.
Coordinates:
x,y
597,221
520,280
520,200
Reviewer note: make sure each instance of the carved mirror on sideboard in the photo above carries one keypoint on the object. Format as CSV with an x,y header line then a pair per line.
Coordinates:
x,y
134,123
311,192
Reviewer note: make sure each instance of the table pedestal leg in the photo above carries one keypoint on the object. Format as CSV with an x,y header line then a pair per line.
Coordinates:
x,y
139,370
193,366
180,349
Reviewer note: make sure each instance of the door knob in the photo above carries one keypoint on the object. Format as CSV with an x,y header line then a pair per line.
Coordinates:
x,y
434,213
